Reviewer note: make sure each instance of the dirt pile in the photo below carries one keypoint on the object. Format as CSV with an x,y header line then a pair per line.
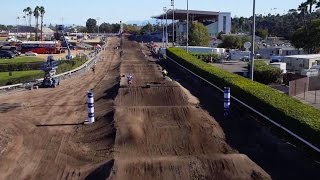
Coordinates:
x,y
161,135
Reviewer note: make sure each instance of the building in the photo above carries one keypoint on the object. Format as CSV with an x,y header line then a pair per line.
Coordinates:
x,y
267,52
297,63
215,22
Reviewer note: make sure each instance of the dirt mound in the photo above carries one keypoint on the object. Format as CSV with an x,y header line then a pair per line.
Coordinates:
x,y
188,167
161,134
42,135
155,96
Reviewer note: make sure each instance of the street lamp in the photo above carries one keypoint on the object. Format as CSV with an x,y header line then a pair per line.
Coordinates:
x,y
172,4
166,28
253,39
98,18
187,25
18,25
164,10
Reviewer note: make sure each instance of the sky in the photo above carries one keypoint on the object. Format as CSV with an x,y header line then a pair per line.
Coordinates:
x,y
131,11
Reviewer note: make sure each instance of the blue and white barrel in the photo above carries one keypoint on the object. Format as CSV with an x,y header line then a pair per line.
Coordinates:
x,y
226,101
90,107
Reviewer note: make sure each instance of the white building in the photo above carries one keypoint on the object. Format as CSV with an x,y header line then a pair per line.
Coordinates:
x,y
215,22
297,63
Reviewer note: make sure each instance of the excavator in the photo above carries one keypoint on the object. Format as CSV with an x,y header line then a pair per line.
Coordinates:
x,y
60,29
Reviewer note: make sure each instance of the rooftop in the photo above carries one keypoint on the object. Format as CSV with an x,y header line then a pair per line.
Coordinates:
x,y
180,14
306,56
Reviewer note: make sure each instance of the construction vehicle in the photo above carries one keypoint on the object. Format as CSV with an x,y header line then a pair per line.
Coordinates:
x,y
49,69
60,29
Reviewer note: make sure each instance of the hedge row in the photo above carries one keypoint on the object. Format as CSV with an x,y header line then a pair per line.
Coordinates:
x,y
25,76
289,112
19,77
265,73
66,65
20,66
206,56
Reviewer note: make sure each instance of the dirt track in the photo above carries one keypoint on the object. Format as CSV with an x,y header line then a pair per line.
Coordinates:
x,y
140,133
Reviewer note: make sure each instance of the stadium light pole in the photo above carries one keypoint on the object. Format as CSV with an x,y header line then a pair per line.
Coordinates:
x,y
172,4
18,18
187,25
166,28
164,10
253,40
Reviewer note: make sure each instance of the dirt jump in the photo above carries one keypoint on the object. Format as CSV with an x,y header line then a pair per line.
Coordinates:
x,y
150,129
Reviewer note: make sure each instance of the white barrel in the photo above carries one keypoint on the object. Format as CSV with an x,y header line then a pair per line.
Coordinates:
x,y
90,107
226,100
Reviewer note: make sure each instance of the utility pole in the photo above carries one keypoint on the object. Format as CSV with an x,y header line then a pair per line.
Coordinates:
x,y
18,25
172,4
187,25
164,10
166,28
253,39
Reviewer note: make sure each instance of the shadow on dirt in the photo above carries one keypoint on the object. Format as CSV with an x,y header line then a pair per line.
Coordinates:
x,y
48,125
6,107
102,172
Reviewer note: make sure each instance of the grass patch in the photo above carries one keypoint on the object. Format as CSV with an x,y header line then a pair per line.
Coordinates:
x,y
19,77
21,60
25,76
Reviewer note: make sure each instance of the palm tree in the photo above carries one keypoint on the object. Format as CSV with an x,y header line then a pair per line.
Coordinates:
x,y
311,3
42,12
36,14
303,8
241,22
318,5
28,12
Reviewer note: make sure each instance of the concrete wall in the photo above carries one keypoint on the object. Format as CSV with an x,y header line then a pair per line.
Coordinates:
x,y
227,25
314,83
298,86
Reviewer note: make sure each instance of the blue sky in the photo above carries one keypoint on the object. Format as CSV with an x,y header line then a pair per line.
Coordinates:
x,y
78,11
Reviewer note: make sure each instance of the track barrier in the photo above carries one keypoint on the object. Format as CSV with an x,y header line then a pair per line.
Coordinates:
x,y
226,101
90,103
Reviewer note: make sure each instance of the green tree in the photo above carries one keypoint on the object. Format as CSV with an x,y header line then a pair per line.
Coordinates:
x,y
105,27
42,12
129,28
147,28
263,33
115,28
198,35
91,25
311,3
231,42
308,37
36,14
241,22
245,39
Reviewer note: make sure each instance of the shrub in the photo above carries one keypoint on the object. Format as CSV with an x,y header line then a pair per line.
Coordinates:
x,y
287,111
264,73
20,66
206,56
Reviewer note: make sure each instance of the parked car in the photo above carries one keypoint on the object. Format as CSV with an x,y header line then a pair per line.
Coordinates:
x,y
30,53
6,54
245,58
